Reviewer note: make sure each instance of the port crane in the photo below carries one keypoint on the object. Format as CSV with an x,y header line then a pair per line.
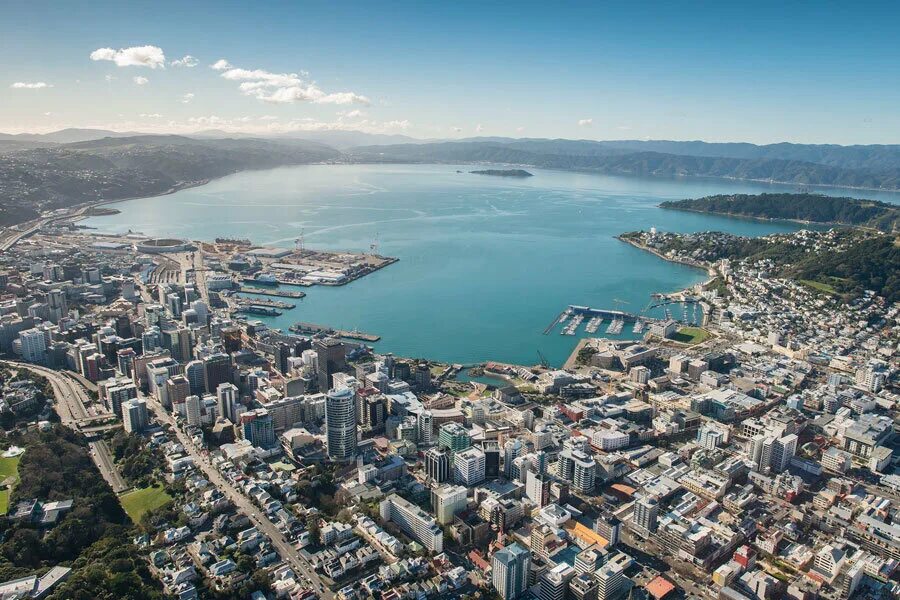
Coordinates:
x,y
544,362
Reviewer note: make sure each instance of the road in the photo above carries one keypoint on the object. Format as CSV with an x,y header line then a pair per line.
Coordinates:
x,y
287,551
70,406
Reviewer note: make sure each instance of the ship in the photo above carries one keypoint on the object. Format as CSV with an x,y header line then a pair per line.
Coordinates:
x,y
262,279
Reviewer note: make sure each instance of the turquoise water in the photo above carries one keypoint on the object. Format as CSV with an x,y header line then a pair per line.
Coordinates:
x,y
486,263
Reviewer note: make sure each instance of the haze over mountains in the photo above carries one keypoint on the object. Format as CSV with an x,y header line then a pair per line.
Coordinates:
x,y
73,166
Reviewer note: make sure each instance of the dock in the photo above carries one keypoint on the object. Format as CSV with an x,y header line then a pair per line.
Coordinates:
x,y
265,302
313,329
249,289
573,316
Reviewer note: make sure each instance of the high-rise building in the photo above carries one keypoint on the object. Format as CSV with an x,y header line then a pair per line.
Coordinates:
x,y
192,410
178,388
258,427
331,358
195,371
646,512
425,421
226,401
414,521
512,450
117,396
509,571
218,370
468,467
610,581
340,424
610,528
491,451
34,346
583,587
589,560
454,437
783,451
555,582
373,413
134,415
448,500
437,464
537,488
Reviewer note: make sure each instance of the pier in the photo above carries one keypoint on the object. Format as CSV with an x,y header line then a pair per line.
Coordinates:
x,y
249,289
265,302
313,329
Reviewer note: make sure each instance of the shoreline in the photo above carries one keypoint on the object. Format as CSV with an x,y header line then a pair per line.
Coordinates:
x,y
825,224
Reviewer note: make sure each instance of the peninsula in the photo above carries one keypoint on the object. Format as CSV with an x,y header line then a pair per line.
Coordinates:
x,y
504,172
811,208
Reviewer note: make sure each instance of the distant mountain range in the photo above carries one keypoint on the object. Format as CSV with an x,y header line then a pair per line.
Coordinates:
x,y
72,166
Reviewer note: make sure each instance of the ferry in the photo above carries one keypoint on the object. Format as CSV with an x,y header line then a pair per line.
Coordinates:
x,y
262,279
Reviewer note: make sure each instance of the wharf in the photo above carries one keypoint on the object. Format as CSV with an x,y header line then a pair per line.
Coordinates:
x,y
249,289
265,302
312,329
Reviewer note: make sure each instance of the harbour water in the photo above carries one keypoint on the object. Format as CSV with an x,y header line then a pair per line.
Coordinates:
x,y
485,262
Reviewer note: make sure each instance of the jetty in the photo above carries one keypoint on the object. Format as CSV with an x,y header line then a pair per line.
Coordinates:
x,y
314,329
249,289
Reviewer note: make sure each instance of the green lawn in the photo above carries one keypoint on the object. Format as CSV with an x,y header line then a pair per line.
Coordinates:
x,y
139,502
691,335
819,286
9,467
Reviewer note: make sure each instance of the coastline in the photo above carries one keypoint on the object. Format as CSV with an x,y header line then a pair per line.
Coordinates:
x,y
695,265
826,224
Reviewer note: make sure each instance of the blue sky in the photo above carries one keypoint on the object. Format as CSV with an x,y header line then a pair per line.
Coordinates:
x,y
761,72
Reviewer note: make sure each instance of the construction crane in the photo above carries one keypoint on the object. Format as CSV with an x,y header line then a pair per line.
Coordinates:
x,y
373,247
298,243
544,362
619,303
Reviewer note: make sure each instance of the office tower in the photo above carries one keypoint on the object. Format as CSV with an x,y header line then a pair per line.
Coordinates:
x,y
555,582
512,450
331,358
589,560
195,371
56,299
610,527
340,424
537,488
280,355
585,473
218,370
414,521
468,467
610,581
151,340
437,464
646,511
178,342
34,345
258,428
783,451
447,501
423,377
117,396
178,388
125,361
426,428
510,566
226,401
174,305
134,415
583,587
491,451
454,437
192,410
373,413
757,443
153,315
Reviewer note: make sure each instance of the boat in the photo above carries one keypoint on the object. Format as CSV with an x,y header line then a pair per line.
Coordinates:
x,y
262,279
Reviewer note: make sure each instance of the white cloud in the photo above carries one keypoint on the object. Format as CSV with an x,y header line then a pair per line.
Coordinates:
x,y
268,118
457,129
31,85
186,61
48,114
140,80
585,122
108,78
150,116
283,88
186,99
479,128
352,114
136,56
520,129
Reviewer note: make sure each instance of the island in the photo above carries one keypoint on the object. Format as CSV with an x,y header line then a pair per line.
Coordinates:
x,y
504,173
809,208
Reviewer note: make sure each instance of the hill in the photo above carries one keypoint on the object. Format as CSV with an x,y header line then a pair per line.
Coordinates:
x,y
606,157
814,208
42,179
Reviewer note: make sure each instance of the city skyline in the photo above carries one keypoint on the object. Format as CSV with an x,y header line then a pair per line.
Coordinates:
x,y
764,74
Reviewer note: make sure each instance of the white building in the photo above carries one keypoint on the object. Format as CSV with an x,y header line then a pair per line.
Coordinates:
x,y
414,521
134,415
469,467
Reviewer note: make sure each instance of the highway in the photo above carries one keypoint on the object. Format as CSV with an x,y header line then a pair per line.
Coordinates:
x,y
287,551
70,406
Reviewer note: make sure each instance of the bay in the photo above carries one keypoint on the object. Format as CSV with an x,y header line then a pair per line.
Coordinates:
x,y
486,263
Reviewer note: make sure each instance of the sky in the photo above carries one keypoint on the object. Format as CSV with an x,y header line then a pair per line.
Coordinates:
x,y
761,72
